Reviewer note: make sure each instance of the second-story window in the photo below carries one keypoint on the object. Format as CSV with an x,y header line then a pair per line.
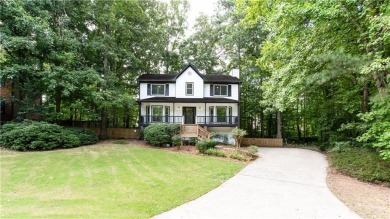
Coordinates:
x,y
158,89
189,89
220,90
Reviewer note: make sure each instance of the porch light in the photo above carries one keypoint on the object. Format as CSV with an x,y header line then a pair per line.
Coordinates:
x,y
178,108
200,108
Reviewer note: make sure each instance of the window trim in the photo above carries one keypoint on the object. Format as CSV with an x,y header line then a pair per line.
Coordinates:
x,y
151,90
220,85
192,89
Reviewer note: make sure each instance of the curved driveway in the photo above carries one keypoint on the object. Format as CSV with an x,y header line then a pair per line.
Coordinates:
x,y
282,183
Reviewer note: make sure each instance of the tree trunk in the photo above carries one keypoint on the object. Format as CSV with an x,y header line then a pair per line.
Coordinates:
x,y
104,113
261,124
16,94
365,98
279,125
298,122
104,124
270,126
58,99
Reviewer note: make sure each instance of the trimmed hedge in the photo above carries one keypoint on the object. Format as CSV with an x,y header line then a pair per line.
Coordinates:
x,y
31,135
158,134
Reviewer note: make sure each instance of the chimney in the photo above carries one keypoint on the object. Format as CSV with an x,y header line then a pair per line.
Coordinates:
x,y
235,73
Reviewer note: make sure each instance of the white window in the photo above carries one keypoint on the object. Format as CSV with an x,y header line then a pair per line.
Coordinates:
x,y
189,89
158,89
220,90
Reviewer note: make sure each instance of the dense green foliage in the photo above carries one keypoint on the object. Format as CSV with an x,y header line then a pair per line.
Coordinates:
x,y
324,65
86,136
361,163
78,60
311,71
159,134
99,181
30,135
204,145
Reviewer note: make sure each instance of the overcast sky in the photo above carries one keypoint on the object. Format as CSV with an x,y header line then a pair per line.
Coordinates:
x,y
198,6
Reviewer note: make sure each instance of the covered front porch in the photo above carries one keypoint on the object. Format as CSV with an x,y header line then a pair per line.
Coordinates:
x,y
203,114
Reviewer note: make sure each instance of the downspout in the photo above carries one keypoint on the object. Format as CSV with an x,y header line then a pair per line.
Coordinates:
x,y
238,105
173,112
139,106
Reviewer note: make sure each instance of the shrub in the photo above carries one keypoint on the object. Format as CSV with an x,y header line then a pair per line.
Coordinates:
x,y
120,141
172,129
214,152
192,141
237,135
239,156
252,150
158,134
202,146
29,135
86,136
176,140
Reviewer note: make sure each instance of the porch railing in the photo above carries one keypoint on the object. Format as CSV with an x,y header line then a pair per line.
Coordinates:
x,y
217,120
201,120
161,119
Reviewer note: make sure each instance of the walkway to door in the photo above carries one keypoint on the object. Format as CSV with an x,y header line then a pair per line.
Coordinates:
x,y
282,183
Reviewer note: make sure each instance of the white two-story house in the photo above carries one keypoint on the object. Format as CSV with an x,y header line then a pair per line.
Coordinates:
x,y
189,97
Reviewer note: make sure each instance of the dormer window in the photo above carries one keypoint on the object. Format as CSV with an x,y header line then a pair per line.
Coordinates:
x,y
189,89
220,90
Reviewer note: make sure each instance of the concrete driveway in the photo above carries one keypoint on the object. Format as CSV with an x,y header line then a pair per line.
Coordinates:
x,y
282,183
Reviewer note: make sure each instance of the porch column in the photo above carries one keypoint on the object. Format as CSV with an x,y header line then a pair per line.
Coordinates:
x,y
205,113
139,114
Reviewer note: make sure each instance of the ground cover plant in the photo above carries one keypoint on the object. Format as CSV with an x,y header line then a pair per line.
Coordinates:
x,y
364,164
105,181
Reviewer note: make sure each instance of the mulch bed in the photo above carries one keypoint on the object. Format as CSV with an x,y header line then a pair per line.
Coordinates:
x,y
186,149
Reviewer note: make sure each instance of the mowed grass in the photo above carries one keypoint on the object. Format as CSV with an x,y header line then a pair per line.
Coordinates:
x,y
105,181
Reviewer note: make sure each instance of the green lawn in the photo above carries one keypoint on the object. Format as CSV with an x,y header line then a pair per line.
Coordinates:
x,y
105,181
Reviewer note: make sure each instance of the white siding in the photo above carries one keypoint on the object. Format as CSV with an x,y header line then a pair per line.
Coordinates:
x,y
144,90
176,109
189,76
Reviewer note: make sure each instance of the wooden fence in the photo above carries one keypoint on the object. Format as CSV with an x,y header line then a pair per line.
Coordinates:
x,y
267,142
114,133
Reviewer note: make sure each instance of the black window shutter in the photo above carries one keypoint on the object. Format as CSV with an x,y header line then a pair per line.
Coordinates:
x,y
167,90
229,90
149,90
211,89
147,113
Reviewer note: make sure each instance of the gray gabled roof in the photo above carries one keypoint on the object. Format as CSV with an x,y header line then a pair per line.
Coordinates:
x,y
170,78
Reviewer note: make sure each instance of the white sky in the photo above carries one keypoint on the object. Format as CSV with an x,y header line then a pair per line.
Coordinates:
x,y
198,6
